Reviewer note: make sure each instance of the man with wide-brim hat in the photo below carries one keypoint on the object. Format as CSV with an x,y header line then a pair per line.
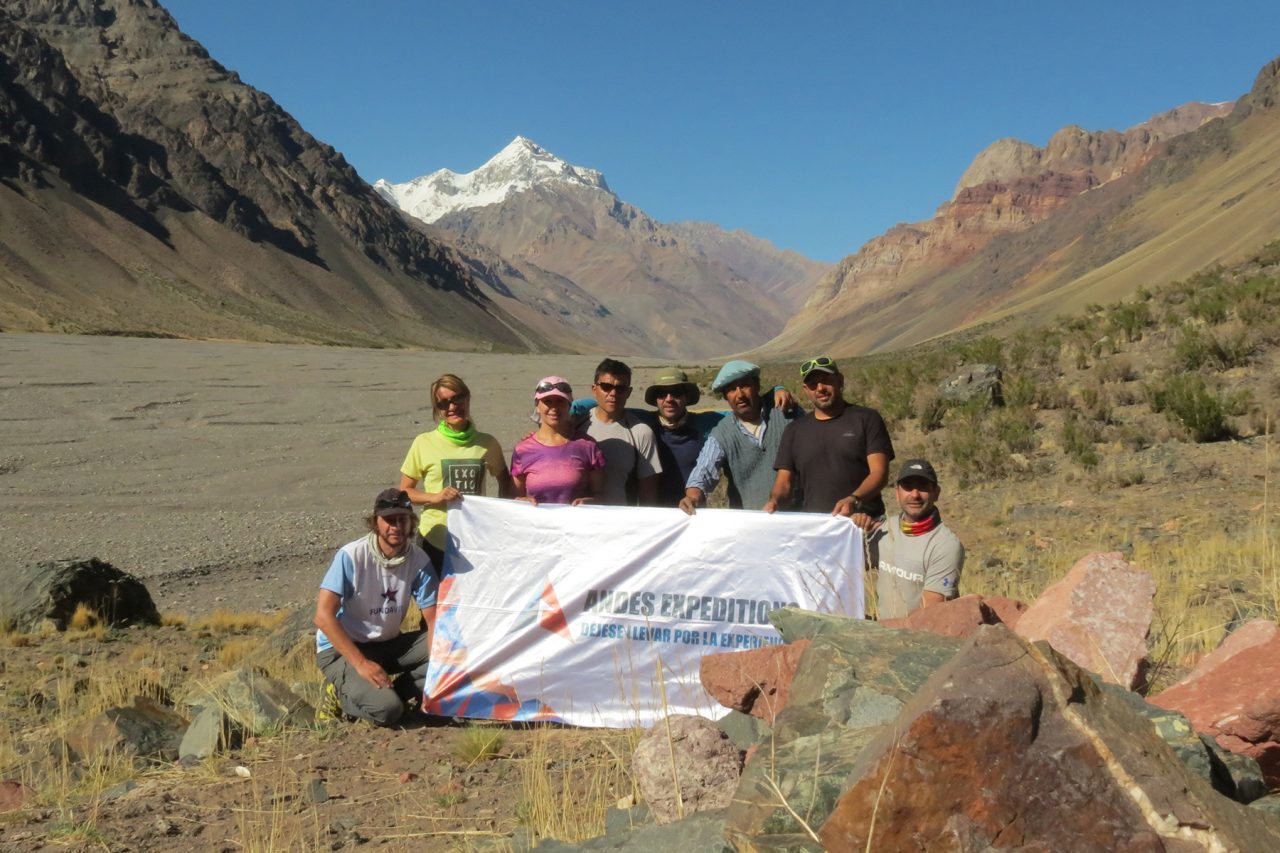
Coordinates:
x,y
680,432
371,667
744,444
918,559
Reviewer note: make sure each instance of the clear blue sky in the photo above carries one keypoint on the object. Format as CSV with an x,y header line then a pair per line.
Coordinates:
x,y
815,125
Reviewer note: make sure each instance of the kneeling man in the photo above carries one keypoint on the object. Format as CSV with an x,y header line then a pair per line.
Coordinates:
x,y
362,601
918,557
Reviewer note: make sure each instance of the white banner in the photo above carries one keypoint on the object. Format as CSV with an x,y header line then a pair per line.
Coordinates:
x,y
599,616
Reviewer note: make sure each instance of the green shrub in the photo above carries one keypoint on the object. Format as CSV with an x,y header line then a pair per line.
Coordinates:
x,y
987,349
1187,401
1020,391
931,408
1078,439
1016,429
1127,320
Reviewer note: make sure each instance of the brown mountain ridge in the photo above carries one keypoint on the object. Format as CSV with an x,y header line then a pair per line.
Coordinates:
x,y
145,188
1033,232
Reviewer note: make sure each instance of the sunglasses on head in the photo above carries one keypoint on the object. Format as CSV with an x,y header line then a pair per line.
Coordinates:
x,y
610,387
458,399
398,503
815,363
553,386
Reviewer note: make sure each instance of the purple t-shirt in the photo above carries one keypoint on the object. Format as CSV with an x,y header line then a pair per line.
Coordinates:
x,y
556,475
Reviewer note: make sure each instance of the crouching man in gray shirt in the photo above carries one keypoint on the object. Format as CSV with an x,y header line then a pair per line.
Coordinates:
x,y
919,559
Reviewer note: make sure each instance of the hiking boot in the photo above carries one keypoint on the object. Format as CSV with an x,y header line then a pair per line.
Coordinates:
x,y
330,708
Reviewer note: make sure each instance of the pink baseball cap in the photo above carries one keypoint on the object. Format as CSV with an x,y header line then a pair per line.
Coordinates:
x,y
553,386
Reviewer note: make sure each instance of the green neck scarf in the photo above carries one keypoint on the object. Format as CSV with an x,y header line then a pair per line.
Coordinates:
x,y
461,438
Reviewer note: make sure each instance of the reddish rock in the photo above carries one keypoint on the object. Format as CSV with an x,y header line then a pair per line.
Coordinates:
x,y
1099,616
1011,746
13,795
1255,632
1237,702
754,682
1008,611
961,617
958,618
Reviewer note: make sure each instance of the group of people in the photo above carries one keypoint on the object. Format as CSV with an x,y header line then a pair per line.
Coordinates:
x,y
774,456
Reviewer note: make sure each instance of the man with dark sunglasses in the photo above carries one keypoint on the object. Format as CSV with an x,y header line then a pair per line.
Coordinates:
x,y
836,458
631,463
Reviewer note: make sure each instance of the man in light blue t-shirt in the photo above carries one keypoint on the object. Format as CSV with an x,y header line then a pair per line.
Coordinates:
x,y
363,599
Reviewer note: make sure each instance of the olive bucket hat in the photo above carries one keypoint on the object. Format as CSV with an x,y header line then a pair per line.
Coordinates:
x,y
672,377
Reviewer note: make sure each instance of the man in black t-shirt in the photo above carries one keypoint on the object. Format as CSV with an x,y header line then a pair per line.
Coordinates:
x,y
836,458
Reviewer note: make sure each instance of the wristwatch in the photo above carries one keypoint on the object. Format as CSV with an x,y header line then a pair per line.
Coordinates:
x,y
857,503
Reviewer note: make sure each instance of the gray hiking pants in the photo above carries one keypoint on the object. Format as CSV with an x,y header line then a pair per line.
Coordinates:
x,y
403,658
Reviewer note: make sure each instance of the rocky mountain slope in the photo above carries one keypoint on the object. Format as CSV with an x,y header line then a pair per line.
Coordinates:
x,y
145,188
669,286
1031,232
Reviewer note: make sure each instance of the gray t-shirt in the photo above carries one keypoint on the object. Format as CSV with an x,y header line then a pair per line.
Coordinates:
x,y
630,453
909,565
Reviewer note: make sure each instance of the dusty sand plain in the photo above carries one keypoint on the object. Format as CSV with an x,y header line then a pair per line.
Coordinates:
x,y
224,474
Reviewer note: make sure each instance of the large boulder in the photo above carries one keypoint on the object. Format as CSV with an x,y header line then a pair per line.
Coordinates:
x,y
1236,701
1011,745
683,765
974,382
755,681
961,617
53,590
1099,616
854,678
143,730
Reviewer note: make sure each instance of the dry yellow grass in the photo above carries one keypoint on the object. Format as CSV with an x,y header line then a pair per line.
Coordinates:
x,y
227,622
594,774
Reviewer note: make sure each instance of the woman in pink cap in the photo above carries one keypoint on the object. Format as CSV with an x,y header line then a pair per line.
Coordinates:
x,y
556,464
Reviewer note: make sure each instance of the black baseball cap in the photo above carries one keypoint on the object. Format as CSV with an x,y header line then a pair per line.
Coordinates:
x,y
917,468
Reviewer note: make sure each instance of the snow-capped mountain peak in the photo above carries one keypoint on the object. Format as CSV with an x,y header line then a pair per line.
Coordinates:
x,y
517,167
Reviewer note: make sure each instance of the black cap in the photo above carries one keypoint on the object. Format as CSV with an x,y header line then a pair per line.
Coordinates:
x,y
392,502
917,468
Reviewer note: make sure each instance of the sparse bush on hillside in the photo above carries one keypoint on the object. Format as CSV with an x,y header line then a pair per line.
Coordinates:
x,y
1016,429
1095,403
1128,320
931,408
1078,439
1020,391
1116,369
987,349
1188,402
1231,346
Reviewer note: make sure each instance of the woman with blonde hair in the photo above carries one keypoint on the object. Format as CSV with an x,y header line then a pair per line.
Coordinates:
x,y
449,461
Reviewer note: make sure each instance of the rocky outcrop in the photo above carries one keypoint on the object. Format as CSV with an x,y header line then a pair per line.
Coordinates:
x,y
1098,616
143,730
